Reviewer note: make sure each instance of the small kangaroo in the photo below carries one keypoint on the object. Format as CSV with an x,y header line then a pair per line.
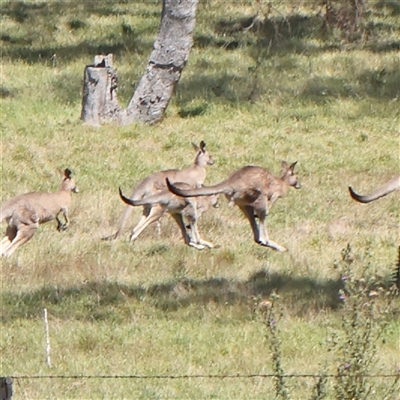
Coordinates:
x,y
388,187
24,213
178,207
155,183
254,190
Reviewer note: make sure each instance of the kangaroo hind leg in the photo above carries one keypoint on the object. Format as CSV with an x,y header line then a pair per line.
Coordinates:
x,y
192,240
156,212
11,232
195,236
186,238
24,234
264,239
124,219
248,211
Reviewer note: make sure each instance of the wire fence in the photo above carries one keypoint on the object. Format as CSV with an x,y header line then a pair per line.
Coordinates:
x,y
6,384
205,376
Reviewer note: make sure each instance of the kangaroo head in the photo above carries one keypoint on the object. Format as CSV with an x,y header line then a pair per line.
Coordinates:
x,y
289,176
203,157
68,183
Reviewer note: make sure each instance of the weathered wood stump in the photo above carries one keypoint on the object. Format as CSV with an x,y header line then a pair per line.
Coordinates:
x,y
99,101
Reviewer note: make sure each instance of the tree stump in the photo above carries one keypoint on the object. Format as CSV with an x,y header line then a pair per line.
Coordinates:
x,y
99,101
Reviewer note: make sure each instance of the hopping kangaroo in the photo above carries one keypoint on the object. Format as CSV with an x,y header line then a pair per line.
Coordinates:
x,y
388,187
178,207
155,183
24,213
253,189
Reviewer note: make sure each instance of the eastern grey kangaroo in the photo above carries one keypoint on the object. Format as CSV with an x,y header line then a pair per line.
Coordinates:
x,y
24,213
155,183
388,187
254,190
166,202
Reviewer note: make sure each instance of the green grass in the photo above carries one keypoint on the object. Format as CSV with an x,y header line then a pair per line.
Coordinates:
x,y
157,307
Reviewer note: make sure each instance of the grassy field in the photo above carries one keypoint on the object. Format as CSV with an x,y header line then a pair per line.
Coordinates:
x,y
158,307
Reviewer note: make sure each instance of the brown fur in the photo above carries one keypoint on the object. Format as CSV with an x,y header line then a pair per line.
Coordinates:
x,y
166,202
24,213
254,190
388,187
155,183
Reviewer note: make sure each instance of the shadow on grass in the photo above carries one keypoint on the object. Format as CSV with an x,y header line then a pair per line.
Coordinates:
x,y
65,54
275,37
104,300
22,11
378,84
229,88
42,22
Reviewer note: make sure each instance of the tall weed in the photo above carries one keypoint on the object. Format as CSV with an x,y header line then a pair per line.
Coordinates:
x,y
367,301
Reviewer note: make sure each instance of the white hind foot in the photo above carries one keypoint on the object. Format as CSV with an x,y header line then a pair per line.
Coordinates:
x,y
206,244
271,244
197,246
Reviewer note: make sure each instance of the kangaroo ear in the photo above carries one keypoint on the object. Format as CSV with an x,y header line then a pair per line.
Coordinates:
x,y
202,145
284,165
293,165
67,173
197,148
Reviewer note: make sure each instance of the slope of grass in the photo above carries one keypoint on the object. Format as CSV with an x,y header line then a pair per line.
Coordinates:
x,y
157,307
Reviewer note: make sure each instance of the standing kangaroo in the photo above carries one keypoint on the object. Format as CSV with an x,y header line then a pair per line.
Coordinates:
x,y
24,213
388,187
178,207
155,183
254,190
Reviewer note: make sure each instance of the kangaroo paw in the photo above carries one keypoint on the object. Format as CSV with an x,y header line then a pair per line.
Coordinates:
x,y
272,245
207,244
197,246
62,227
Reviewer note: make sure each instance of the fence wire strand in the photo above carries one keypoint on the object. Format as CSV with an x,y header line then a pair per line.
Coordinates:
x,y
206,376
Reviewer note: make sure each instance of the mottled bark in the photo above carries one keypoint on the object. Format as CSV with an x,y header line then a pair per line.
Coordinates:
x,y
170,53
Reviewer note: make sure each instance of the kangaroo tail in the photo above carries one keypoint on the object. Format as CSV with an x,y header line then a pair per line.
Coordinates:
x,y
203,191
359,198
381,191
146,201
128,201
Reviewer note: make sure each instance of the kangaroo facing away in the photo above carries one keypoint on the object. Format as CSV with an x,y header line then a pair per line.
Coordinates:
x,y
388,187
155,183
191,208
24,213
254,190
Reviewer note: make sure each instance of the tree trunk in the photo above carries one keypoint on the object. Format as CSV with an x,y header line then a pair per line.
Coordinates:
x,y
169,56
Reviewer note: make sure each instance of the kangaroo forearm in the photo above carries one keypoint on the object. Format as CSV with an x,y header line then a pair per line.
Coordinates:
x,y
62,225
66,219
